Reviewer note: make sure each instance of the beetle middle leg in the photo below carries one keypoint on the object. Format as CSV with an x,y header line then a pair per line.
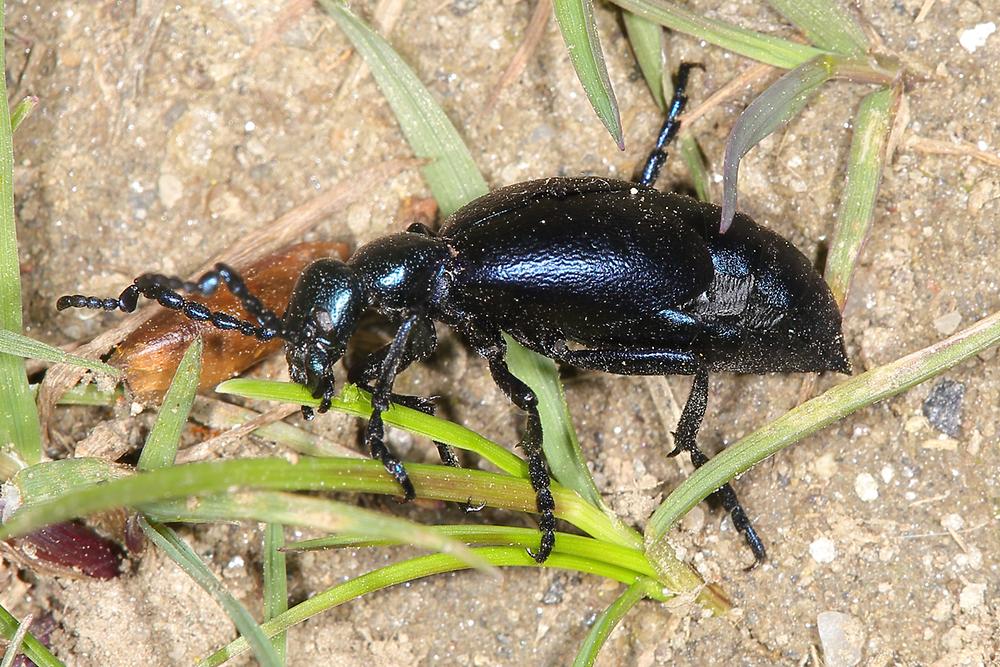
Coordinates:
x,y
670,127
491,346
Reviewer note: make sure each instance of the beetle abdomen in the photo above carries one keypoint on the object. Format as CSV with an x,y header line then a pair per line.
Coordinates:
x,y
578,263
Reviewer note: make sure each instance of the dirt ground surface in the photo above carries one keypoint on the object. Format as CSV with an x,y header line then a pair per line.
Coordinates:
x,y
167,130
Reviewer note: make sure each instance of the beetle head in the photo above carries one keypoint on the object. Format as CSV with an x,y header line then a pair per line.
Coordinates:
x,y
322,315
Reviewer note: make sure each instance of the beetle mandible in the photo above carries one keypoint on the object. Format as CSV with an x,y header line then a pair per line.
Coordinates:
x,y
596,273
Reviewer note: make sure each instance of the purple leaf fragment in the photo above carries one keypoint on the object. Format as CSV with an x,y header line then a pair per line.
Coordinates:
x,y
771,110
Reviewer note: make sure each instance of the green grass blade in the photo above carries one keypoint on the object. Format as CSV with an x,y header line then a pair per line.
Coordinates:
x,y
300,510
858,392
769,111
502,536
33,649
164,438
857,206
29,348
49,480
411,570
14,645
562,449
610,618
21,112
86,394
331,474
275,582
694,160
451,174
579,31
646,39
18,415
825,23
354,401
765,48
179,552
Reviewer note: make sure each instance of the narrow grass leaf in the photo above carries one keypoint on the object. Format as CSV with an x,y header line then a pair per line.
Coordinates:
x,y
87,394
451,174
306,511
14,645
275,582
858,392
33,649
21,346
825,23
18,415
21,112
872,124
164,438
694,160
609,619
765,48
49,480
182,554
354,401
411,570
579,31
646,39
499,536
770,110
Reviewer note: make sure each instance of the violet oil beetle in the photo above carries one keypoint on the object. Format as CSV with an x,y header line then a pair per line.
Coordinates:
x,y
595,273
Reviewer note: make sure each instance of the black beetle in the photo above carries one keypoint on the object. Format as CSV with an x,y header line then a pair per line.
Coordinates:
x,y
595,273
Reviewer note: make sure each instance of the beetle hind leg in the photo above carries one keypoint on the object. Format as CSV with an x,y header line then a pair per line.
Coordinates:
x,y
670,127
685,439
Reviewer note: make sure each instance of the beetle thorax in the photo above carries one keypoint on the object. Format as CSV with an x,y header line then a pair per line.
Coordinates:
x,y
401,271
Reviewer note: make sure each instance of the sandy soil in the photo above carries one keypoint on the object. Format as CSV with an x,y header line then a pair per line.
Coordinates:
x,y
166,130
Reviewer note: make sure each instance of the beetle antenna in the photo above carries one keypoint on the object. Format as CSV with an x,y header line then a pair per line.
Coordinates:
x,y
670,126
150,285
209,282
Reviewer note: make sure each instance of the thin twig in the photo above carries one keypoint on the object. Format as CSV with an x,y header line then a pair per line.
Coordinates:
x,y
532,38
925,9
939,147
206,448
729,90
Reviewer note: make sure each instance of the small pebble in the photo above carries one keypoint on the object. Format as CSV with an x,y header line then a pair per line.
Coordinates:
x,y
975,37
842,637
943,407
823,550
952,522
866,487
948,323
972,596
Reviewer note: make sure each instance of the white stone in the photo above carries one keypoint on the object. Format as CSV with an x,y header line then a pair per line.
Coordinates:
x,y
823,550
842,637
866,487
972,596
975,37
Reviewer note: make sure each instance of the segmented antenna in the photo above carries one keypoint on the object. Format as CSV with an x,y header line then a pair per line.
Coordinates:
x,y
159,288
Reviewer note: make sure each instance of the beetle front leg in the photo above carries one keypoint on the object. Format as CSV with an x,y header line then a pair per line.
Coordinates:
x,y
381,395
685,439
